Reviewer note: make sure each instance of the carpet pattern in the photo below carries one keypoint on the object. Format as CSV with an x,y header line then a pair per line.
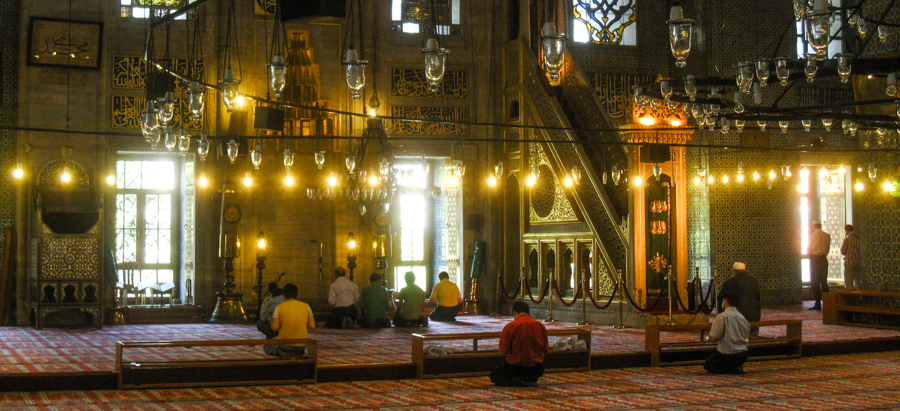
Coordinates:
x,y
26,350
843,382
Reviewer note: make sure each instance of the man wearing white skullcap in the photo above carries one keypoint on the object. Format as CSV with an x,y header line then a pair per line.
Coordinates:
x,y
747,289
819,246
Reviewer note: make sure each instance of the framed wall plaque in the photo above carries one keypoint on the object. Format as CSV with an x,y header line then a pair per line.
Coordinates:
x,y
62,43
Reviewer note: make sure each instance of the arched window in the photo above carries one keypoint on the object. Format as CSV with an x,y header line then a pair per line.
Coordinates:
x,y
604,22
413,16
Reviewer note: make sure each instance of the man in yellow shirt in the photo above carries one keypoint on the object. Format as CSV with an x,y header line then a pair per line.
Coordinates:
x,y
448,298
291,319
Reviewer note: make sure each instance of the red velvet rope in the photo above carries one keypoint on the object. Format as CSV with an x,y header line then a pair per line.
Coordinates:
x,y
591,295
685,309
712,282
506,294
543,293
634,304
576,293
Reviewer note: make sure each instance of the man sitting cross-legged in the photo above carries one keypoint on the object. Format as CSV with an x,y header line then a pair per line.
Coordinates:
x,y
448,299
524,341
732,331
374,302
267,309
291,319
409,313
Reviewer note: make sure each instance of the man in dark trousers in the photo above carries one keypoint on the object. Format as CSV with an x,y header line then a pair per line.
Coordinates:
x,y
524,342
747,289
732,331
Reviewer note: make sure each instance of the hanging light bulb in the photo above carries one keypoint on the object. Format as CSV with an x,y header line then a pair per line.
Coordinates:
x,y
811,67
65,176
492,180
783,125
657,171
873,172
166,108
746,70
350,163
196,99
697,180
762,72
891,88
248,179
781,70
355,72
230,87
786,172
288,159
881,131
772,174
184,142
665,88
756,176
883,32
203,147
844,66
690,86
374,103
853,127
807,124
498,169
862,26
232,150
277,73
149,120
256,157
725,125
435,64
288,179
604,177
818,29
738,106
711,179
319,157
171,139
460,170
739,125
576,175
18,172
827,122
761,124
617,177
554,48
680,33
202,181
384,167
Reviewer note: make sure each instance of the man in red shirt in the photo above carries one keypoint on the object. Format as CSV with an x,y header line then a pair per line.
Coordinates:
x,y
524,341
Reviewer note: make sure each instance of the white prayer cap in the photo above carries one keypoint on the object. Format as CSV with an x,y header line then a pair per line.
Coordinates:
x,y
739,267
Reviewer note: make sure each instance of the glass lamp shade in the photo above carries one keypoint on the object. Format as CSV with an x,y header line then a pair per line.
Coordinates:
x,y
665,88
738,106
232,150
230,86
862,26
196,95
807,124
853,127
554,48
818,32
184,142
762,72
166,108
384,167
827,122
782,70
171,139
149,119
873,172
319,157
690,87
350,163
435,64
657,170
355,70
277,74
739,125
256,157
498,169
891,88
844,66
203,147
783,125
154,137
576,175
746,69
761,124
883,32
680,33
800,9
811,67
288,158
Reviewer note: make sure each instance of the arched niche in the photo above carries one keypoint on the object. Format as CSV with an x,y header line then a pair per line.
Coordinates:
x,y
549,264
533,269
567,271
513,109
512,213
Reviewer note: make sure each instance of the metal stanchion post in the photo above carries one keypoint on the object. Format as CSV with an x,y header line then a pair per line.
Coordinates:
x,y
522,284
621,287
669,282
715,296
584,291
550,319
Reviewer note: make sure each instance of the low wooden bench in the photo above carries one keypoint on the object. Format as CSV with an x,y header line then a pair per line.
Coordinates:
x,y
218,372
864,308
481,362
695,352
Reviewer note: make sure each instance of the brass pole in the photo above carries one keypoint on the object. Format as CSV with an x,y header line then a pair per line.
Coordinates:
x,y
669,281
621,287
550,319
584,291
715,290
522,285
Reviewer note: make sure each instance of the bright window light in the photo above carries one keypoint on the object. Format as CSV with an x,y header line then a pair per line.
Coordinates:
x,y
410,27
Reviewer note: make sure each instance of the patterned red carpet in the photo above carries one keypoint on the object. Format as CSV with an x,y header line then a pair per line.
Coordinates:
x,y
25,350
844,382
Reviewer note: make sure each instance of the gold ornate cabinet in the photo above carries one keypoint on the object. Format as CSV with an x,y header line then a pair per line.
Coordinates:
x,y
67,238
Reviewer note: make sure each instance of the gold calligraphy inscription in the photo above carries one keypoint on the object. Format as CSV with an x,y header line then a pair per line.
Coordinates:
x,y
614,91
658,263
429,113
130,71
659,206
657,227
412,83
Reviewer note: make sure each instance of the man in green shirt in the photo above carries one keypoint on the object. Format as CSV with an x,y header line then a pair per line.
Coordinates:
x,y
374,303
411,299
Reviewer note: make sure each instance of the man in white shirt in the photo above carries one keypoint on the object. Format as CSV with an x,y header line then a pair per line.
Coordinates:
x,y
267,309
732,331
342,295
819,246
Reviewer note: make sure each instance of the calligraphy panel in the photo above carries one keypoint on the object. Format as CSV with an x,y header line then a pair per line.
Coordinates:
x,y
412,83
614,91
429,113
129,71
126,113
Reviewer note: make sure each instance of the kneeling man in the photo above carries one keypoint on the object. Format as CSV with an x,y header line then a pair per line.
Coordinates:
x,y
291,319
524,341
732,331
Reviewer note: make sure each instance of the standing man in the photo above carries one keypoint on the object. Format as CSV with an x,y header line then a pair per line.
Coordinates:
x,y
267,310
291,319
819,245
524,342
732,331
412,297
342,295
373,304
851,249
747,289
448,298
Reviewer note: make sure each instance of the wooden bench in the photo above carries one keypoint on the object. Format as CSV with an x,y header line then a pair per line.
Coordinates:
x,y
481,362
862,308
695,352
218,372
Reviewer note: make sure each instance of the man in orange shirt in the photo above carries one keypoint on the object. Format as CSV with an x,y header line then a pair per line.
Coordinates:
x,y
524,341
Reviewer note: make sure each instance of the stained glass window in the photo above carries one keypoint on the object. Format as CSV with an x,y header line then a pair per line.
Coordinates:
x,y
146,200
413,16
604,22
